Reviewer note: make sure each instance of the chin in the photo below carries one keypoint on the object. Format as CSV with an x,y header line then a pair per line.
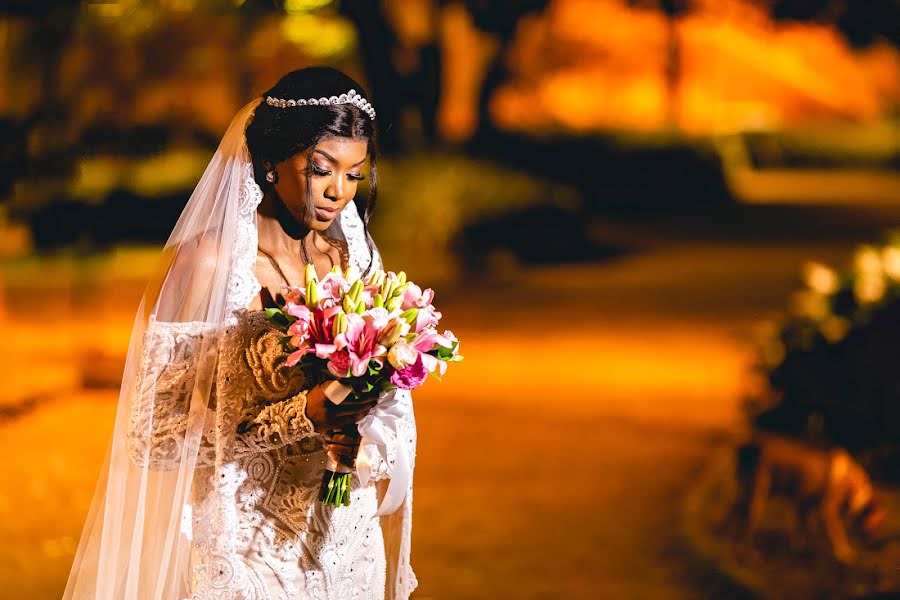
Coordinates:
x,y
320,223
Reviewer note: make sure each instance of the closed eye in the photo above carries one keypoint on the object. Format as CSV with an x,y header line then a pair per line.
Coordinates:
x,y
317,171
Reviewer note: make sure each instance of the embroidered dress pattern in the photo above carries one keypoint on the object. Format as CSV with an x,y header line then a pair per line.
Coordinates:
x,y
256,528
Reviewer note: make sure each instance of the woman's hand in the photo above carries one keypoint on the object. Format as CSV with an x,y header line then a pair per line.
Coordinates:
x,y
327,416
343,444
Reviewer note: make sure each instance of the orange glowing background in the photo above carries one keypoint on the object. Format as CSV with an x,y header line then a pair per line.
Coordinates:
x,y
703,158
588,65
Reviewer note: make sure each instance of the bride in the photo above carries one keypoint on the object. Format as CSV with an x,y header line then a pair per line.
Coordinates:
x,y
210,484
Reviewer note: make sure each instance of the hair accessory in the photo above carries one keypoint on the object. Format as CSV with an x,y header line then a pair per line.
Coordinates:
x,y
350,97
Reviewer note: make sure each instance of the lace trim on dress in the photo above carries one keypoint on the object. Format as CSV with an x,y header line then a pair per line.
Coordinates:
x,y
243,285
354,233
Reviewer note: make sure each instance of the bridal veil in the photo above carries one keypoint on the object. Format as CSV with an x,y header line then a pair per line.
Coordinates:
x,y
136,542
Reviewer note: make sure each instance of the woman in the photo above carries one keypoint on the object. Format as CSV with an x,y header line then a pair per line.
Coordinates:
x,y
210,485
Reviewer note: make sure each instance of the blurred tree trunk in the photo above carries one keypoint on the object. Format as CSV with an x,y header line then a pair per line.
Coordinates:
x,y
49,25
673,72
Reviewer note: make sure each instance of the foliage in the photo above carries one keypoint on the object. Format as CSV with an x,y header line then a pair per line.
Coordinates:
x,y
832,362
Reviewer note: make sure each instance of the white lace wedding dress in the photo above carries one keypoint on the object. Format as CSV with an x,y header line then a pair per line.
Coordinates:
x,y
256,527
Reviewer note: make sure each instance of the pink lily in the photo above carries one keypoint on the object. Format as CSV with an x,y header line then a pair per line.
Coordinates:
x,y
425,342
414,297
361,339
333,286
427,317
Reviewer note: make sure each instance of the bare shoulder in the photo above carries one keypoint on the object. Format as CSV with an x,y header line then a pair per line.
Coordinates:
x,y
198,255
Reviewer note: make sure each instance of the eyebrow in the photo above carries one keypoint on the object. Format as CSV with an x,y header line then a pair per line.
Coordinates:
x,y
335,161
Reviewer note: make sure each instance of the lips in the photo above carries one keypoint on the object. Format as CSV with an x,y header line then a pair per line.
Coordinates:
x,y
326,213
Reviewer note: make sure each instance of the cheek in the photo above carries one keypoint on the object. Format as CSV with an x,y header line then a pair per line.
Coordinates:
x,y
317,187
294,190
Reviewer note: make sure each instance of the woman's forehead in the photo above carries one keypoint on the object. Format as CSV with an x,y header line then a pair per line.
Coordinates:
x,y
342,150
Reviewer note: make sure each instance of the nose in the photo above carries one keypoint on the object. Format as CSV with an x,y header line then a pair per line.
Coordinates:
x,y
335,189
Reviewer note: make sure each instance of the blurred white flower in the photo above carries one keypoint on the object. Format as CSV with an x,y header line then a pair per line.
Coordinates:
x,y
834,328
810,304
890,262
867,259
869,288
820,278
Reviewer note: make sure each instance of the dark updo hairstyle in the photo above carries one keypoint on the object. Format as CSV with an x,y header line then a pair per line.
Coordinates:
x,y
275,134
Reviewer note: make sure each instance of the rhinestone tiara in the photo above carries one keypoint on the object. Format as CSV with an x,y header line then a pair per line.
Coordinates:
x,y
350,97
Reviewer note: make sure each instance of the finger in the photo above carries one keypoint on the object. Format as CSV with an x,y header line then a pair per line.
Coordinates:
x,y
344,439
347,444
353,406
352,401
346,420
358,413
344,442
344,459
341,450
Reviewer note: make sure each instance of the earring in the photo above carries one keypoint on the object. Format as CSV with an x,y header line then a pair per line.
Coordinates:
x,y
272,176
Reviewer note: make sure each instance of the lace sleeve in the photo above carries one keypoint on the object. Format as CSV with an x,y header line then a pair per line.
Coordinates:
x,y
272,395
160,403
262,401
278,424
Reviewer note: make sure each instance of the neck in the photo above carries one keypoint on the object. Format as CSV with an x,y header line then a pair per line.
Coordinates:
x,y
279,233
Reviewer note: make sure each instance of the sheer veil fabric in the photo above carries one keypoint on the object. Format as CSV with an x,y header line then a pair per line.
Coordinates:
x,y
137,542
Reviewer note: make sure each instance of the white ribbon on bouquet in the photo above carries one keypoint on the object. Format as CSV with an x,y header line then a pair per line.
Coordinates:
x,y
379,428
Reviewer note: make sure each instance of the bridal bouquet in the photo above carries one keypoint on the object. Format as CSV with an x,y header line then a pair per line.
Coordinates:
x,y
372,334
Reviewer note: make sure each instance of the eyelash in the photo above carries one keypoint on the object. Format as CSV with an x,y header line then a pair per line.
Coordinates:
x,y
319,171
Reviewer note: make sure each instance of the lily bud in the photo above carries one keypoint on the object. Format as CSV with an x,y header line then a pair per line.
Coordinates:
x,y
312,294
360,308
410,315
339,325
401,355
392,334
401,277
378,301
311,273
356,290
389,287
348,304
336,269
402,288
394,303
